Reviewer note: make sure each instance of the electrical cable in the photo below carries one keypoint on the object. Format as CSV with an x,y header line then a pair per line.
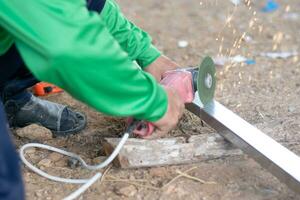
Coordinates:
x,y
87,182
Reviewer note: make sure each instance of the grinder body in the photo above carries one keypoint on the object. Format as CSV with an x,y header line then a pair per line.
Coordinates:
x,y
186,81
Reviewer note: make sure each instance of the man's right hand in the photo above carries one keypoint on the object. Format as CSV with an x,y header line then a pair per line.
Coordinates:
x,y
173,114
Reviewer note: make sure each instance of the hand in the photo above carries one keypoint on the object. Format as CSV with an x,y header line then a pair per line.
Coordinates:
x,y
160,66
171,117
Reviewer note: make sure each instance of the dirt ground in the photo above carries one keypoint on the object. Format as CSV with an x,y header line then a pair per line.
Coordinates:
x,y
266,94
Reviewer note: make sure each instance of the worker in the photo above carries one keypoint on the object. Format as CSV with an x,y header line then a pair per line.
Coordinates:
x,y
22,108
91,51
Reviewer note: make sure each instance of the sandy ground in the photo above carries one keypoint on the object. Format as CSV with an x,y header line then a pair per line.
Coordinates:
x,y
266,94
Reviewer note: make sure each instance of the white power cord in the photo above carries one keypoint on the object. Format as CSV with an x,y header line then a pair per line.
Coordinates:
x,y
86,182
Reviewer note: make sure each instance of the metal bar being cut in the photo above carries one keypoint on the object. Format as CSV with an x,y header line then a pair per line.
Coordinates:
x,y
275,158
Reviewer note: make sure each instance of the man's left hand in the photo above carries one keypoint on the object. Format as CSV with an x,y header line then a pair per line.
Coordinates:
x,y
160,66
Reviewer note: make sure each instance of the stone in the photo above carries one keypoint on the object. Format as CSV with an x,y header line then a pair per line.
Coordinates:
x,y
30,150
45,163
38,193
34,132
98,160
127,191
73,163
182,43
61,163
291,109
158,172
55,156
178,191
131,177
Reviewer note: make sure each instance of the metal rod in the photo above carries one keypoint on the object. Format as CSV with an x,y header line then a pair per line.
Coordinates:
x,y
275,158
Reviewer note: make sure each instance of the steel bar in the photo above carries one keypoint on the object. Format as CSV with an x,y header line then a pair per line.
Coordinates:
x,y
274,157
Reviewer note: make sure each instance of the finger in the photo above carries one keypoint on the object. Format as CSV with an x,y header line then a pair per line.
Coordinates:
x,y
156,134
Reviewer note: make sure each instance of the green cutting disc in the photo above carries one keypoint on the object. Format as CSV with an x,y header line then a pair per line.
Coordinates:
x,y
206,83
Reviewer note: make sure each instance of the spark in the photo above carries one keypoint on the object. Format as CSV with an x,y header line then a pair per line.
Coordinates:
x,y
277,39
295,59
249,78
240,75
287,8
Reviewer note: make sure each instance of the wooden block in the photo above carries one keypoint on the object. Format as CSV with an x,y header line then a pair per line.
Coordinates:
x,y
170,151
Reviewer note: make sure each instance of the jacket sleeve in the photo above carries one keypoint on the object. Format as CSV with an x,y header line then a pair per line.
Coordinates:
x,y
63,43
133,40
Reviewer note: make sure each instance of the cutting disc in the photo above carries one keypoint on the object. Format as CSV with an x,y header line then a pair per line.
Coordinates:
x,y
206,82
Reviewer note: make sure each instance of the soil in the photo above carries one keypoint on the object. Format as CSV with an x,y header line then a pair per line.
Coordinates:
x,y
266,94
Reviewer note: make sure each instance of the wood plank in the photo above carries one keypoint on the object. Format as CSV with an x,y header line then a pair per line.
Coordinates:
x,y
170,151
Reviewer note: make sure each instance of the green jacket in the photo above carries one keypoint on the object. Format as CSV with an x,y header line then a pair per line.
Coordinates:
x,y
91,56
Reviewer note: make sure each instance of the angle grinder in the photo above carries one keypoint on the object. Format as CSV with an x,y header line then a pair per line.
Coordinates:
x,y
186,81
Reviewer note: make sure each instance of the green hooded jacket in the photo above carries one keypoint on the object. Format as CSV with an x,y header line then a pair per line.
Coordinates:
x,y
90,55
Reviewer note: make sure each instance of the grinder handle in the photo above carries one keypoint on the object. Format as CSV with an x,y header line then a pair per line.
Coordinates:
x,y
144,129
182,82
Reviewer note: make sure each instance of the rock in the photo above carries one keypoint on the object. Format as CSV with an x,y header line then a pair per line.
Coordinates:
x,y
34,132
182,43
291,108
61,163
80,198
73,163
185,57
98,160
34,157
30,150
236,2
38,193
45,163
170,189
131,177
55,156
178,191
154,182
127,191
158,172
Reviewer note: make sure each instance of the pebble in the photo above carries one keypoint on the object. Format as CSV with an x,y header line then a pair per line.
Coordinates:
x,y
34,157
30,150
73,163
127,191
45,163
61,163
186,57
154,182
98,160
170,189
158,172
131,177
34,132
38,193
55,156
236,2
291,109
182,43
180,192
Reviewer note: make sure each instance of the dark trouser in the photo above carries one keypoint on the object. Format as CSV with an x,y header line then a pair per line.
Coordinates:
x,y
15,77
14,80
11,186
